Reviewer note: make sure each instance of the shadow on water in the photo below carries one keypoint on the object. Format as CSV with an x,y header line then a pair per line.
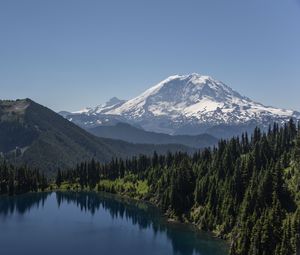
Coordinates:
x,y
21,204
185,240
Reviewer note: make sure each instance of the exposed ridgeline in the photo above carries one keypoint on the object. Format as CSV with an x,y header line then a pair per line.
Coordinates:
x,y
18,180
247,190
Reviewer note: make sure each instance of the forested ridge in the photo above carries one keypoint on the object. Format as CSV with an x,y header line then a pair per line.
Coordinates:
x,y
246,190
38,137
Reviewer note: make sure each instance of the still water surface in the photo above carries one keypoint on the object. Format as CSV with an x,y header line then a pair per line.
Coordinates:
x,y
90,223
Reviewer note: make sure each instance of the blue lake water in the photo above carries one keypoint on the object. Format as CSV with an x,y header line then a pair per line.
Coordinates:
x,y
94,223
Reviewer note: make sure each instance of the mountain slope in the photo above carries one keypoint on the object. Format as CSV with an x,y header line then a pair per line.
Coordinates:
x,y
46,140
188,104
128,133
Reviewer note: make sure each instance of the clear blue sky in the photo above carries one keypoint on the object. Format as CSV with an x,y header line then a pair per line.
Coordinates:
x,y
76,53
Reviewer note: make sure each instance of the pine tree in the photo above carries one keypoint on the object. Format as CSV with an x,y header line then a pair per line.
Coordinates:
x,y
58,178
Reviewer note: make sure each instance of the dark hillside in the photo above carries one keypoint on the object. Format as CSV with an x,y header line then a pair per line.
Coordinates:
x,y
35,135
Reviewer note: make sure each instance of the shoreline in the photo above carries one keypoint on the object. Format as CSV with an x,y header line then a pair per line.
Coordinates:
x,y
167,217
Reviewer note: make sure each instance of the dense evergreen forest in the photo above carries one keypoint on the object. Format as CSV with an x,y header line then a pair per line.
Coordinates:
x,y
18,180
246,189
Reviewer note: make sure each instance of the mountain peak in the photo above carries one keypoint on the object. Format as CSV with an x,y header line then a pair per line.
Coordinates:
x,y
190,102
188,77
114,101
189,95
12,108
111,104
196,80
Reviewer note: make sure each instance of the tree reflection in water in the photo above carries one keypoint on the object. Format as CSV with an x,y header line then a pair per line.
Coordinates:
x,y
185,240
21,204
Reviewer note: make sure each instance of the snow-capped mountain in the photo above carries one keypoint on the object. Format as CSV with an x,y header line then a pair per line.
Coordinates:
x,y
187,104
103,108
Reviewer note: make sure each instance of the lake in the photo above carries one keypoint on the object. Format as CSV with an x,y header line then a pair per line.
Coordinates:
x,y
94,223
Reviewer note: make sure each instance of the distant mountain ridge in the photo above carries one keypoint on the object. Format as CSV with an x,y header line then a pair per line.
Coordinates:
x,y
186,104
128,133
35,135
